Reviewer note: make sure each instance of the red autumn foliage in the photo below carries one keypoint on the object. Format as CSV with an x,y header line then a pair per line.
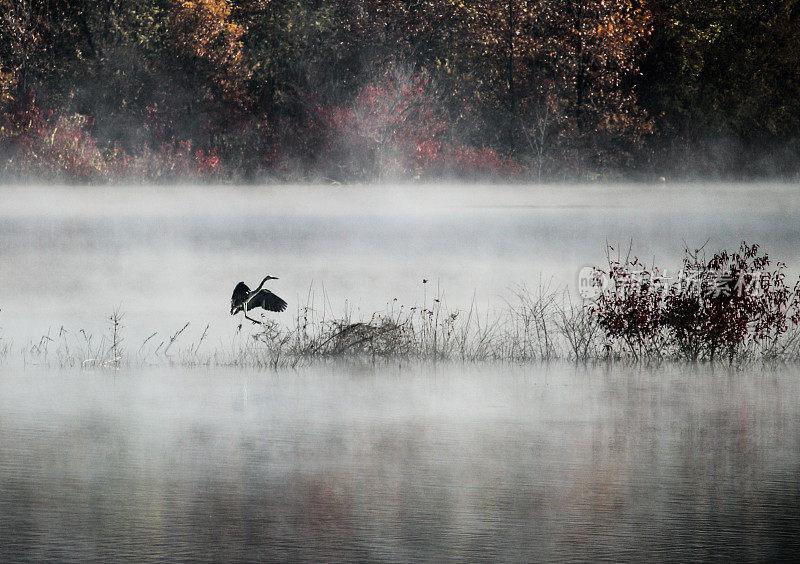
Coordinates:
x,y
734,305
394,127
41,144
391,127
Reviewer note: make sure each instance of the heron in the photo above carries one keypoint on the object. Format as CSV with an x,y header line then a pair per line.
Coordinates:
x,y
244,299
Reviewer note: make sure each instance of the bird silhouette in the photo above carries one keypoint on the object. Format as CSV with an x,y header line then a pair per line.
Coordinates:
x,y
244,299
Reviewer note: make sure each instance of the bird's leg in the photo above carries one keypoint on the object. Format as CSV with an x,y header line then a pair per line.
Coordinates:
x,y
253,320
244,309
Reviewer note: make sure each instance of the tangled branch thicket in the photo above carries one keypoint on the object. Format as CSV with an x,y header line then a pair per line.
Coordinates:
x,y
734,305
734,308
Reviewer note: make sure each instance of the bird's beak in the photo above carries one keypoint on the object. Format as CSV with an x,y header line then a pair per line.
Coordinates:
x,y
275,278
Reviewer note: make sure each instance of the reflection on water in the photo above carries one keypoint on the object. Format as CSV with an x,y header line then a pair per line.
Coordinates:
x,y
475,463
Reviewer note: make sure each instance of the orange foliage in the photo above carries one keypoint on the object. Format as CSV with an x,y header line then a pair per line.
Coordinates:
x,y
594,49
7,83
566,66
203,33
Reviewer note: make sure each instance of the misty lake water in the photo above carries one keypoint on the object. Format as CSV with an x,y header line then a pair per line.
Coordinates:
x,y
385,462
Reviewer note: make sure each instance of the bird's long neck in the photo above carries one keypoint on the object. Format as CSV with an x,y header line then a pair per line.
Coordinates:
x,y
261,285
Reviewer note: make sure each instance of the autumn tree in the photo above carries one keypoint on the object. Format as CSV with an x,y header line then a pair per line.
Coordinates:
x,y
393,127
723,78
208,43
591,50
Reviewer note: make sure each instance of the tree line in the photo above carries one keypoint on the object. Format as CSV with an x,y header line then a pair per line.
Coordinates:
x,y
243,90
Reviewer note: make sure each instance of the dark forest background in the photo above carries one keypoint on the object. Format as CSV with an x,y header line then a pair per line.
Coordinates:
x,y
243,90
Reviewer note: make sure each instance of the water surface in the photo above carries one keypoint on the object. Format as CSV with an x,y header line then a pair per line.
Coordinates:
x,y
393,464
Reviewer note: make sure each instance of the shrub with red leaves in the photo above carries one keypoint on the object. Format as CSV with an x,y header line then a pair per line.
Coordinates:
x,y
396,126
630,309
41,144
392,127
471,161
734,305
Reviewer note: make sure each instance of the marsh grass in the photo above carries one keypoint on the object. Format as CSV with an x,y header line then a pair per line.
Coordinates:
x,y
546,323
5,348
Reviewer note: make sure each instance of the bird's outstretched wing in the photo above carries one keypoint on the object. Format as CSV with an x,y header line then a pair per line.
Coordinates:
x,y
239,293
267,300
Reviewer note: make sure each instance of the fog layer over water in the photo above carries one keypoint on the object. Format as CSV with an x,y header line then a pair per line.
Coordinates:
x,y
169,255
481,463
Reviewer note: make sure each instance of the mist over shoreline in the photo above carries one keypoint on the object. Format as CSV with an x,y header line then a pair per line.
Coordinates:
x,y
30,198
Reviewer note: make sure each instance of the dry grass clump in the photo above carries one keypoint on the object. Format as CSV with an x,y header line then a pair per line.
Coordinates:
x,y
545,324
